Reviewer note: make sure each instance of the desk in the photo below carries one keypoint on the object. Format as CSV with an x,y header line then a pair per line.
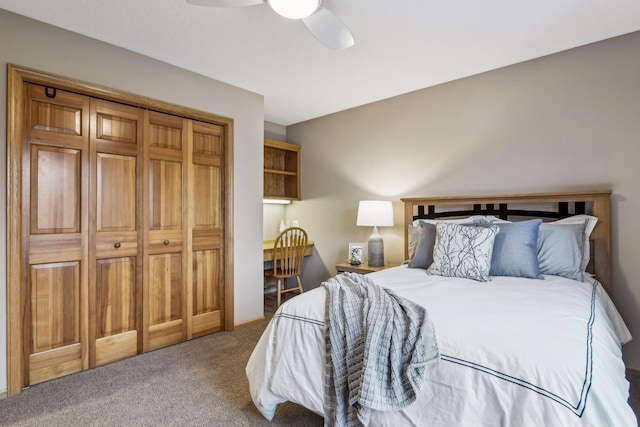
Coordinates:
x,y
267,247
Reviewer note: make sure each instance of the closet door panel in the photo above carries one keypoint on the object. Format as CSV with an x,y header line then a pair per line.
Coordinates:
x,y
116,193
207,301
57,117
55,363
116,232
166,195
55,190
68,247
54,234
114,127
206,185
206,202
116,297
116,244
165,241
50,117
165,275
206,265
165,132
55,321
165,304
55,305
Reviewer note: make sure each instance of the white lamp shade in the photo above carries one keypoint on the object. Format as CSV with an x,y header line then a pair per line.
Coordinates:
x,y
375,213
294,9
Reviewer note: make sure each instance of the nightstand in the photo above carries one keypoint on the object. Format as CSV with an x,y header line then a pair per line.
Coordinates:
x,y
362,268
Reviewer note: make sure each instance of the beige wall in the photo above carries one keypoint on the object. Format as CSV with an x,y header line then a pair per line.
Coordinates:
x,y
563,122
275,131
32,44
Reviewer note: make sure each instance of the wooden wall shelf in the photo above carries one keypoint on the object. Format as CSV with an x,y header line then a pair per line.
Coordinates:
x,y
281,170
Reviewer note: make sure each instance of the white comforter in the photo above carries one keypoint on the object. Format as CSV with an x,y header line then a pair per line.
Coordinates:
x,y
514,352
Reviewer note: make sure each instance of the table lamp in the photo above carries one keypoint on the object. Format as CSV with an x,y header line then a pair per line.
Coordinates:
x,y
375,213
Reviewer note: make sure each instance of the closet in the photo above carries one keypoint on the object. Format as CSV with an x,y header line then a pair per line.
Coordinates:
x,y
122,233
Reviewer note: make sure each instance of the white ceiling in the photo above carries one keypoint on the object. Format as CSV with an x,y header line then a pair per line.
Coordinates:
x,y
400,45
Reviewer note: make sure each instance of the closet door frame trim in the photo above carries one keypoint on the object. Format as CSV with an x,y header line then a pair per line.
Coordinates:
x,y
17,76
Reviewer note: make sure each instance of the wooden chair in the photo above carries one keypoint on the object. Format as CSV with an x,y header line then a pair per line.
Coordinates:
x,y
288,254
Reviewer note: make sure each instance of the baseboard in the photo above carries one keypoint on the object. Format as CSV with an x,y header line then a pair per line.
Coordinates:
x,y
250,322
3,394
633,371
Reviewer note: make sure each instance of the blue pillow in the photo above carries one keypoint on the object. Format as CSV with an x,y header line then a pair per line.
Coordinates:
x,y
560,248
515,250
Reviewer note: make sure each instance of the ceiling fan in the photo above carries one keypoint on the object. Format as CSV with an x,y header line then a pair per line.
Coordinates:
x,y
323,24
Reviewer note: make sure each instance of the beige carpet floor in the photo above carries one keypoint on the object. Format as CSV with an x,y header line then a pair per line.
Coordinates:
x,y
197,383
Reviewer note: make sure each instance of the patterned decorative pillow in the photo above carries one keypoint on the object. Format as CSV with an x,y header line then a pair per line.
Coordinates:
x,y
463,251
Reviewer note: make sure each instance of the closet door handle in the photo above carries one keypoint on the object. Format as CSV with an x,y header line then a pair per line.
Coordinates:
x,y
166,242
117,245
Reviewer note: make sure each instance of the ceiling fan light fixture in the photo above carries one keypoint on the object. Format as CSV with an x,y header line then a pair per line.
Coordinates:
x,y
294,9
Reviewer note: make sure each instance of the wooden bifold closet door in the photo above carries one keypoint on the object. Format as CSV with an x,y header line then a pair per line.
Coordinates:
x,y
122,231
115,231
183,257
55,230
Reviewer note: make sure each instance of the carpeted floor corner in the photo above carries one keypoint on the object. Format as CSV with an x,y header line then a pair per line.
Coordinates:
x,y
195,383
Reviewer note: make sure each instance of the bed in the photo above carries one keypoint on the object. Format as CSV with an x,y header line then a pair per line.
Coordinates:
x,y
528,349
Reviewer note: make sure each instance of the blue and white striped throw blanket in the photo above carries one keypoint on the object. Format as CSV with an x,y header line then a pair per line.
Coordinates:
x,y
378,346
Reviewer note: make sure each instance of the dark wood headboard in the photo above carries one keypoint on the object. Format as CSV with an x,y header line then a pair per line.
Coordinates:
x,y
525,206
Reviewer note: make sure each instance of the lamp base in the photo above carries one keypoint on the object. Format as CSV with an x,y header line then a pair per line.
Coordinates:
x,y
375,249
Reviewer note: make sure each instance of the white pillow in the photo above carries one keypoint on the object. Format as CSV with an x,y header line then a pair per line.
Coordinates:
x,y
495,220
588,229
475,219
463,251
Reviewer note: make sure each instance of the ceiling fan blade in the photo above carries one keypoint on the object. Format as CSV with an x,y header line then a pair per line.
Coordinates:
x,y
329,29
225,3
